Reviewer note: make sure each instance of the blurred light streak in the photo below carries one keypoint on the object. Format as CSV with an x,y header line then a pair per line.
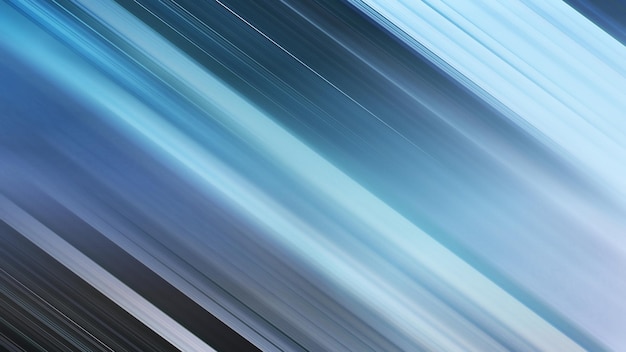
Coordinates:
x,y
582,114
405,215
99,278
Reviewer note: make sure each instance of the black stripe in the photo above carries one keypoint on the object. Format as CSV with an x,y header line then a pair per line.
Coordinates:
x,y
133,273
36,291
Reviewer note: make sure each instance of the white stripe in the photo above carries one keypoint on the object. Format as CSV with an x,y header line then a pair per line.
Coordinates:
x,y
99,278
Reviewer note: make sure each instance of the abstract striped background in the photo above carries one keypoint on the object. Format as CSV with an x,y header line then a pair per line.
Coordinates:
x,y
313,175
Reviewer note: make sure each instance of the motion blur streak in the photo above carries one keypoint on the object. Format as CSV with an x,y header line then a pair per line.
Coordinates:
x,y
358,175
100,279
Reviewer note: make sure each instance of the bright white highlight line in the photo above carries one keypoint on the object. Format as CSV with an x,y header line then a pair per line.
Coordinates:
x,y
99,278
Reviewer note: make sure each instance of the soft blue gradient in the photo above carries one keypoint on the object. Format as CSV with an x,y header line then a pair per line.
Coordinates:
x,y
486,217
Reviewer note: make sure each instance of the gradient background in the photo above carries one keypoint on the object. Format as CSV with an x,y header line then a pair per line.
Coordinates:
x,y
311,175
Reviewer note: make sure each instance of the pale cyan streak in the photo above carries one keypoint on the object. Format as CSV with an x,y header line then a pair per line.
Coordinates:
x,y
99,278
552,189
257,128
568,95
597,224
558,71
